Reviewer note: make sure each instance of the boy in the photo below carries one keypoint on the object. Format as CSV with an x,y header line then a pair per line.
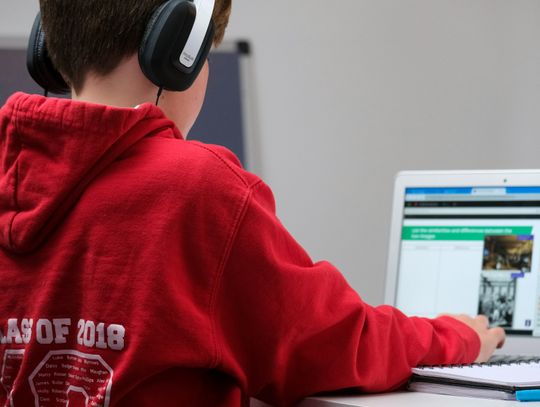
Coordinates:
x,y
141,269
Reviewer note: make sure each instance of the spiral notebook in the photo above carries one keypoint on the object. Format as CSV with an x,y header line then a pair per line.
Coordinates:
x,y
502,380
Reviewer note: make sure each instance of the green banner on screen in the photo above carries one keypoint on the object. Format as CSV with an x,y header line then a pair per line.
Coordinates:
x,y
461,232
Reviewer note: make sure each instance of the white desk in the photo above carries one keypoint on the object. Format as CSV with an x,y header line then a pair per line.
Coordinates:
x,y
404,399
410,399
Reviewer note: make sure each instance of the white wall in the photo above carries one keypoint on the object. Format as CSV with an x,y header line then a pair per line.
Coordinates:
x,y
351,91
17,16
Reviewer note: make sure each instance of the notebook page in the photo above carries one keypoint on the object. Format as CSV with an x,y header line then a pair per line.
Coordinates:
x,y
524,374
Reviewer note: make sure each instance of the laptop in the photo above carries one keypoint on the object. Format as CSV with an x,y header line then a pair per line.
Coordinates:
x,y
468,242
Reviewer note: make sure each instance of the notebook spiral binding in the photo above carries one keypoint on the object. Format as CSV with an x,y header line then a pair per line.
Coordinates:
x,y
497,361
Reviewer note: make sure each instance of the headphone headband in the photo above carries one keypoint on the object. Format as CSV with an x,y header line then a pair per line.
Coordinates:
x,y
205,9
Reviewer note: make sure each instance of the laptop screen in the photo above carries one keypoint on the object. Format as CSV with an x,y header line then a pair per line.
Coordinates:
x,y
472,250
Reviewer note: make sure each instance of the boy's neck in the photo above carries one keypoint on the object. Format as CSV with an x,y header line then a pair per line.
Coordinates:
x,y
126,86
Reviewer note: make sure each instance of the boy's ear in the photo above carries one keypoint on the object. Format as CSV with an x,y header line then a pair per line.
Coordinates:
x,y
39,63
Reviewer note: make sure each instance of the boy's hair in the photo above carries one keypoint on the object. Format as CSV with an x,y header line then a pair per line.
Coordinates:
x,y
96,35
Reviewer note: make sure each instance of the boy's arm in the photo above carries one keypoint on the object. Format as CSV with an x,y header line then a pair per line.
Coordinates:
x,y
287,328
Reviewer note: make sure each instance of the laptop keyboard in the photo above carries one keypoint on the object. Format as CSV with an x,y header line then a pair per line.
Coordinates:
x,y
506,359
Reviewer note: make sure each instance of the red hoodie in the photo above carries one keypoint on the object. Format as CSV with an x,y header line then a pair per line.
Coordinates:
x,y
140,269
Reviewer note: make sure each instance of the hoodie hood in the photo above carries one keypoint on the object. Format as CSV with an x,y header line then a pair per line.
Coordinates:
x,y
51,150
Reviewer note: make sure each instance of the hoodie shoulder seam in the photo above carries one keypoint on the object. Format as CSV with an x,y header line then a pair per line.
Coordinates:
x,y
216,286
227,164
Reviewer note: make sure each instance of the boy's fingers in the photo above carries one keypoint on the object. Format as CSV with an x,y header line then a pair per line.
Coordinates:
x,y
499,335
483,319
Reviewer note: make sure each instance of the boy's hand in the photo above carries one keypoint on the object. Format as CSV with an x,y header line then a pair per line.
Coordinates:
x,y
490,338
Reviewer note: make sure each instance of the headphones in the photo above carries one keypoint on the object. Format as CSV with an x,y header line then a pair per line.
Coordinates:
x,y
174,48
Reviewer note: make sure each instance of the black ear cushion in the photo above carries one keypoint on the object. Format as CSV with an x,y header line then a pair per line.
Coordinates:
x,y
150,27
165,38
39,64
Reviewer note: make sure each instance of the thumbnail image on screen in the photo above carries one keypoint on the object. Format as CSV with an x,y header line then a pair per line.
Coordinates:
x,y
511,253
506,258
498,300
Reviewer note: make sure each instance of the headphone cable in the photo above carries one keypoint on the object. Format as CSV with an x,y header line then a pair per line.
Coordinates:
x,y
160,91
